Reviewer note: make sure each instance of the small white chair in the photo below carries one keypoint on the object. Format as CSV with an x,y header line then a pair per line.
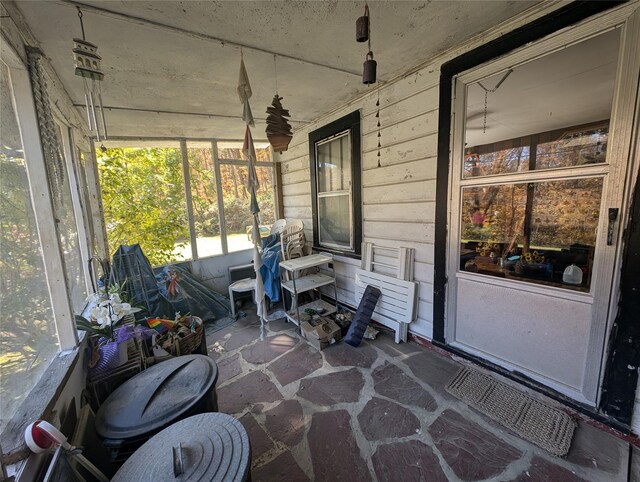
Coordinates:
x,y
240,286
249,284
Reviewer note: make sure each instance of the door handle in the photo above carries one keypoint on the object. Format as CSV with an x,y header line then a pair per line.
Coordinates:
x,y
613,216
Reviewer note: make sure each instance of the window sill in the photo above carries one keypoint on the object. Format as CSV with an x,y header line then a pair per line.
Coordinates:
x,y
337,252
39,404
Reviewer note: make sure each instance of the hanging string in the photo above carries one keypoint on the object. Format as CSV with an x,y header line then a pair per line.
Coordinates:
x,y
486,97
378,124
366,13
484,117
275,69
81,23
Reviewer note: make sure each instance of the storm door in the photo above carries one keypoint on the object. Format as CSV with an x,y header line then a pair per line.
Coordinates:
x,y
539,169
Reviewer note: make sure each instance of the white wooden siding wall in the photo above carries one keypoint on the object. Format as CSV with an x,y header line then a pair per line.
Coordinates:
x,y
398,198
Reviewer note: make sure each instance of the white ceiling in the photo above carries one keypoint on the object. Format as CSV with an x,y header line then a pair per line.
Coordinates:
x,y
159,55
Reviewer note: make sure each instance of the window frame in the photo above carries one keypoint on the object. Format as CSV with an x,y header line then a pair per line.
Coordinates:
x,y
43,397
551,24
213,144
531,177
41,197
73,171
218,162
351,124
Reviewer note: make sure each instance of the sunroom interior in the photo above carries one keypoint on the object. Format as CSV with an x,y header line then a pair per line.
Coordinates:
x,y
485,177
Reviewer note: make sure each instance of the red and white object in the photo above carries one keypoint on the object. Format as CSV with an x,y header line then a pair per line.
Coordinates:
x,y
41,436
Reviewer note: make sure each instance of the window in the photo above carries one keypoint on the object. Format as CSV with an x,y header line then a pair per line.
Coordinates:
x,y
560,148
204,196
535,165
533,231
82,177
145,202
28,341
234,172
549,224
334,152
68,226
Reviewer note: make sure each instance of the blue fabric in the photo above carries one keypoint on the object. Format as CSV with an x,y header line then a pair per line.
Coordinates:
x,y
270,241
270,272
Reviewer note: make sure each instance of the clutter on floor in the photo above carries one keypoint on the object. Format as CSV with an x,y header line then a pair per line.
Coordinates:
x,y
321,332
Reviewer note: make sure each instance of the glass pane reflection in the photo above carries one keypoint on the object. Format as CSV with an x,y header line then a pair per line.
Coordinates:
x,y
531,231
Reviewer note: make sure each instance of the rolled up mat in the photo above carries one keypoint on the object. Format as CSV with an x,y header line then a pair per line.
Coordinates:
x,y
363,316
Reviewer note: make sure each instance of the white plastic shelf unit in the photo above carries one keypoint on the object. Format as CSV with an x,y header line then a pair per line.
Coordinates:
x,y
300,284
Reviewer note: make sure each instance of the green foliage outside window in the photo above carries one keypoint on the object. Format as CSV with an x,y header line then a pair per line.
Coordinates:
x,y
28,340
144,201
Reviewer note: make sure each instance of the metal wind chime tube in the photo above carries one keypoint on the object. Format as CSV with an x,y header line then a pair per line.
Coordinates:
x,y
104,123
87,65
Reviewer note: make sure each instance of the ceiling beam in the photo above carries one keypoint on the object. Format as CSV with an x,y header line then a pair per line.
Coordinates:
x,y
177,112
202,36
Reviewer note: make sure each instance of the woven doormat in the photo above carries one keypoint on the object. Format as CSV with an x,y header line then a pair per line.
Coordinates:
x,y
545,426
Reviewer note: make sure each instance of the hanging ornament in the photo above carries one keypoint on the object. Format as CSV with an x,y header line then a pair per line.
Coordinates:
x,y
244,93
87,66
363,33
369,70
278,128
362,26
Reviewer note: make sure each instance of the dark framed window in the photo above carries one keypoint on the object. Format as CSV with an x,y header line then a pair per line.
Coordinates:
x,y
334,153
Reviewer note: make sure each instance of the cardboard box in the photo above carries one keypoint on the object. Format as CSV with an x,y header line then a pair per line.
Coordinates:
x,y
321,332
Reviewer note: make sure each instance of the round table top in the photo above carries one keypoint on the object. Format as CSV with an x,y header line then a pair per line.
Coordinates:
x,y
205,447
246,284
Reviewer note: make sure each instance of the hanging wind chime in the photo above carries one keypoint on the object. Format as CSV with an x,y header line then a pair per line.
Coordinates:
x,y
378,125
363,34
87,64
278,128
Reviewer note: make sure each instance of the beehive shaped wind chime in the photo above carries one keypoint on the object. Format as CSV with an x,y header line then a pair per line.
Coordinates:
x,y
87,66
278,128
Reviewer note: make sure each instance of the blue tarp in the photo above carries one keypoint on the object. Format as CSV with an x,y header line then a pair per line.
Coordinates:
x,y
270,270
148,290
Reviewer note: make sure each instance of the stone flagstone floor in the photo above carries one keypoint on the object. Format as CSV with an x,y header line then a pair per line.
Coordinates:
x,y
377,412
